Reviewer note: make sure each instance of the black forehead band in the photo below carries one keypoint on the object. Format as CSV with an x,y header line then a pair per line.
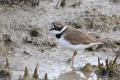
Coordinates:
x,y
55,25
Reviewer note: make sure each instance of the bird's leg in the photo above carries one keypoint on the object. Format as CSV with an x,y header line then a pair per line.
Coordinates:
x,y
74,54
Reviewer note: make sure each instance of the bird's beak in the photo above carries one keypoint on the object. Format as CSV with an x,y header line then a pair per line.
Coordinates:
x,y
51,29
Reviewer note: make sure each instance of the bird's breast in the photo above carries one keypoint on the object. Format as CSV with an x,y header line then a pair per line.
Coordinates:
x,y
67,44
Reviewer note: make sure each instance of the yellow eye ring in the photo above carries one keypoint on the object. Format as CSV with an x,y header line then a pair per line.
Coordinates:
x,y
57,27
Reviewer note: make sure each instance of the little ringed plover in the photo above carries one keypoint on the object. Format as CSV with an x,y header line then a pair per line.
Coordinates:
x,y
72,38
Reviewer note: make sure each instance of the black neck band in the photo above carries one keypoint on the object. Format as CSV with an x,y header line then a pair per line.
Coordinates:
x,y
59,35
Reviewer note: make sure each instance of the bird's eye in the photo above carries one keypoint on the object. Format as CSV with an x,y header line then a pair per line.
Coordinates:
x,y
56,27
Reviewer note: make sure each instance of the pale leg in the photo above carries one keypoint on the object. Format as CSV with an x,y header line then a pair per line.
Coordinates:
x,y
72,58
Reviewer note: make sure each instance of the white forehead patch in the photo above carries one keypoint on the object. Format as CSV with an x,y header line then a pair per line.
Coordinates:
x,y
58,32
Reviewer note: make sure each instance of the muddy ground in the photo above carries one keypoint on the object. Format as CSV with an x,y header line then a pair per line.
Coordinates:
x,y
100,19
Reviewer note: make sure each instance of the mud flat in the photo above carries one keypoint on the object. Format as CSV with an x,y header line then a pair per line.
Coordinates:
x,y
99,18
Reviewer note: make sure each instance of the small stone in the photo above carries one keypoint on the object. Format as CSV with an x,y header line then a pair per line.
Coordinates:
x,y
34,33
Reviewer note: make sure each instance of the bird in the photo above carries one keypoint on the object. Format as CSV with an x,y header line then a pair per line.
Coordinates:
x,y
72,38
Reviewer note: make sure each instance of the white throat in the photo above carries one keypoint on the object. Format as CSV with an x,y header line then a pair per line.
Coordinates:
x,y
58,32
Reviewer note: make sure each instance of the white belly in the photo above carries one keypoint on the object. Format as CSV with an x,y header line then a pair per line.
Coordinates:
x,y
67,44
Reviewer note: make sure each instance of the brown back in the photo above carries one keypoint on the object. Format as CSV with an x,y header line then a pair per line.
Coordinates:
x,y
76,37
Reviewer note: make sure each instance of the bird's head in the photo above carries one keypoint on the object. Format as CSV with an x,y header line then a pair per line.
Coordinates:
x,y
58,27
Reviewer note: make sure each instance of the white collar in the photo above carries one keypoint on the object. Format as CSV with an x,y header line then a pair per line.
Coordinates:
x,y
65,27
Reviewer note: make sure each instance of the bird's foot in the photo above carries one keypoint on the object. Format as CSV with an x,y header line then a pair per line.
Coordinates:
x,y
69,60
